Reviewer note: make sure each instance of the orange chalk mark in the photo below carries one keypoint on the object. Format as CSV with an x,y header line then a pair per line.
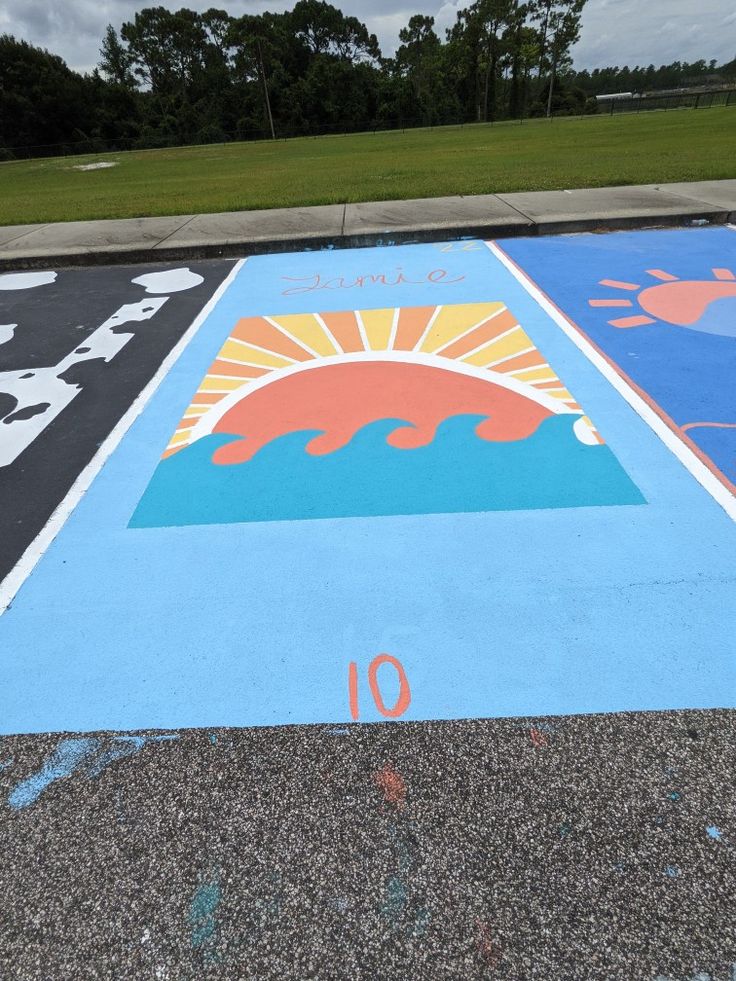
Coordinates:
x,y
412,323
617,284
610,303
631,321
257,331
661,274
402,702
353,690
538,738
723,274
488,950
392,784
344,328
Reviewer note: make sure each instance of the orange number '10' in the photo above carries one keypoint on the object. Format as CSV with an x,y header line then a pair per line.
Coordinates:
x,y
402,702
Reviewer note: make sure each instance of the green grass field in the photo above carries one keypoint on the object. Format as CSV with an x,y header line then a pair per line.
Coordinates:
x,y
592,151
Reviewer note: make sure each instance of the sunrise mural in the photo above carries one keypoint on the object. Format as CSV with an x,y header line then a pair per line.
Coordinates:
x,y
671,300
378,412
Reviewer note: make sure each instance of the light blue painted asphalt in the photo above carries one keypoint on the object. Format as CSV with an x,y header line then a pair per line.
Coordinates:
x,y
586,609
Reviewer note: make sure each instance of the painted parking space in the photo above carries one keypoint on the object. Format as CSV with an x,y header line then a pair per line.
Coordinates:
x,y
76,348
295,531
661,308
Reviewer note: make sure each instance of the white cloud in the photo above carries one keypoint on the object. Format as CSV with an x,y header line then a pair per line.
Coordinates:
x,y
614,32
629,32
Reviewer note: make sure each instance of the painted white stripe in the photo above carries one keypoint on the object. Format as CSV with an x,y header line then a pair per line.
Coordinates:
x,y
510,357
331,337
224,391
263,350
470,354
361,328
673,443
28,561
430,325
302,344
394,329
470,330
539,382
233,360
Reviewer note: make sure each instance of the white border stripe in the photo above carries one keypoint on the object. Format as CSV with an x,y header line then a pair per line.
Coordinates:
x,y
28,561
681,450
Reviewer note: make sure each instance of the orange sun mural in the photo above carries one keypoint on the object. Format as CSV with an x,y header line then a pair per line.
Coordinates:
x,y
681,302
399,410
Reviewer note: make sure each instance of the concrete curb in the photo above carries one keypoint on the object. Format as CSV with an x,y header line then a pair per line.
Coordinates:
x,y
190,237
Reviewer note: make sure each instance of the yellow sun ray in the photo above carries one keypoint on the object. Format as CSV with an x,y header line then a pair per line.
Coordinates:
x,y
378,325
452,322
307,331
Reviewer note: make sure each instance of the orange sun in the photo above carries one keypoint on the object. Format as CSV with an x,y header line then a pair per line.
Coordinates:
x,y
680,302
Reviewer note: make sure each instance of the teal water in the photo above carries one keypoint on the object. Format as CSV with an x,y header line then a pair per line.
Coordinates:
x,y
456,472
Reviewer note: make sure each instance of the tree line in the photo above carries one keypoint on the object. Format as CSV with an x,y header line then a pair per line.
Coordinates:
x,y
181,77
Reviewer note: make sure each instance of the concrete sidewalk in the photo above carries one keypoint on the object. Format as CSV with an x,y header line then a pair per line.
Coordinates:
x,y
367,224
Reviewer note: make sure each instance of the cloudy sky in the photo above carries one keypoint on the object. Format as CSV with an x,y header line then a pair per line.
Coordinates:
x,y
622,32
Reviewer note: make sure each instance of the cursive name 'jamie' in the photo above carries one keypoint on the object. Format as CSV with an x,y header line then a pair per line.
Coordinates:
x,y
309,284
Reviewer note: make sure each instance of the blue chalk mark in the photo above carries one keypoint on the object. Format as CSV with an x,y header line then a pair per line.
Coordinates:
x,y
122,747
672,871
396,899
68,755
421,922
714,832
213,738
202,911
675,796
